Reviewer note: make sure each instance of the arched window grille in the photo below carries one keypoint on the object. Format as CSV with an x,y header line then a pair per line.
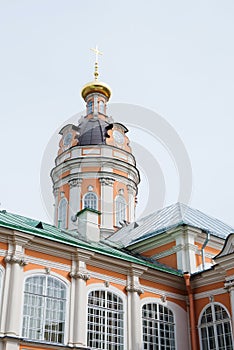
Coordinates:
x,y
44,309
101,107
89,107
62,213
215,329
158,327
120,210
90,201
105,321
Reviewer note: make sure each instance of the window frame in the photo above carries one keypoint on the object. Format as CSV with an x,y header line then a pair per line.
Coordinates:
x,y
96,198
89,107
65,283
119,211
64,199
159,322
117,292
214,323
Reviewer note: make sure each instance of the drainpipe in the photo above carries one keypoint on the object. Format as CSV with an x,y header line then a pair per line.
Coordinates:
x,y
191,312
203,249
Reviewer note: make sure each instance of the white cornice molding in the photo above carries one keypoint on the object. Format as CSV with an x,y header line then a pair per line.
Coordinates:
x,y
208,294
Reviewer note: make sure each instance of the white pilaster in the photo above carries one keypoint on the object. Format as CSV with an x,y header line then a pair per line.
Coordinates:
x,y
79,277
74,201
230,288
134,313
14,303
56,192
107,204
131,203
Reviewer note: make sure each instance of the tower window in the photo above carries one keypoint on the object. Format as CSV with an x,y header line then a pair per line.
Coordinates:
x,y
89,107
101,107
105,321
215,329
91,201
120,210
62,213
44,309
158,327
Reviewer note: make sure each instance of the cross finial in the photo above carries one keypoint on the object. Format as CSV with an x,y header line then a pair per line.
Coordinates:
x,y
97,52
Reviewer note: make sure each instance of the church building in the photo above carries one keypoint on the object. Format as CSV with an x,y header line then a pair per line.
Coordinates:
x,y
99,278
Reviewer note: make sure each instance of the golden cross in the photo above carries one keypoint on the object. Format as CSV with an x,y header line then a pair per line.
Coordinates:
x,y
97,52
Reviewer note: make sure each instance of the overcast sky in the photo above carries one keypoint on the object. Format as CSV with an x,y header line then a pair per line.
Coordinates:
x,y
172,57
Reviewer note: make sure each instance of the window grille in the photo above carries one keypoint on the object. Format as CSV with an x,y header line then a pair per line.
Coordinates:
x,y
120,210
62,213
158,327
105,321
44,309
90,200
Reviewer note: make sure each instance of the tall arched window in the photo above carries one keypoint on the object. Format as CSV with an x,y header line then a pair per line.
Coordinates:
x,y
105,321
90,201
101,107
44,309
120,210
215,328
89,107
158,327
62,213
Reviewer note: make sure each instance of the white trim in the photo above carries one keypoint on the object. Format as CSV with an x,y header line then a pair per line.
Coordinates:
x,y
119,293
40,272
213,323
180,320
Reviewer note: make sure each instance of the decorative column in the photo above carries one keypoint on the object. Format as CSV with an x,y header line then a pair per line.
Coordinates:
x,y
56,192
79,276
15,263
74,202
107,206
134,313
131,203
230,288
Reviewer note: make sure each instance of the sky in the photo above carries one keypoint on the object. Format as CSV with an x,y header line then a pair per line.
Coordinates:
x,y
172,58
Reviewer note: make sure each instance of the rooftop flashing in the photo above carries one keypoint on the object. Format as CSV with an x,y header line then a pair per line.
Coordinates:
x,y
88,209
27,225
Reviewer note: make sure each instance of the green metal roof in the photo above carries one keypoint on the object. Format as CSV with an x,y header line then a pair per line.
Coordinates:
x,y
47,231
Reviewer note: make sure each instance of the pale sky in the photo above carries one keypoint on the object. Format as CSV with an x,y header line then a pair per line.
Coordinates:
x,y
172,57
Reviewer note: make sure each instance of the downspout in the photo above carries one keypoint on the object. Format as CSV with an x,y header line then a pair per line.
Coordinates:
x,y
203,249
191,312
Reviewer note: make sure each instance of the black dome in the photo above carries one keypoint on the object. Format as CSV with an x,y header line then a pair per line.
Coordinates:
x,y
92,131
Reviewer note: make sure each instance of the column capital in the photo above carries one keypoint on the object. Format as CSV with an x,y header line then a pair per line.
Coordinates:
x,y
75,182
229,286
134,289
80,275
108,181
131,189
14,259
56,191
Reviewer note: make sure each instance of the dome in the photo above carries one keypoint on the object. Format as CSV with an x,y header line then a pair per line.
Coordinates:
x,y
92,132
96,86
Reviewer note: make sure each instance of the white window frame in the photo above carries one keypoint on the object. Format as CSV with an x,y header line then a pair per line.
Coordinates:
x,y
62,222
65,283
117,292
214,324
96,199
90,107
157,321
101,107
120,208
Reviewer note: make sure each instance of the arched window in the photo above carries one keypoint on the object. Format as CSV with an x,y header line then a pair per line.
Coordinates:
x,y
120,210
158,327
44,309
215,329
89,107
62,213
90,201
105,321
101,107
